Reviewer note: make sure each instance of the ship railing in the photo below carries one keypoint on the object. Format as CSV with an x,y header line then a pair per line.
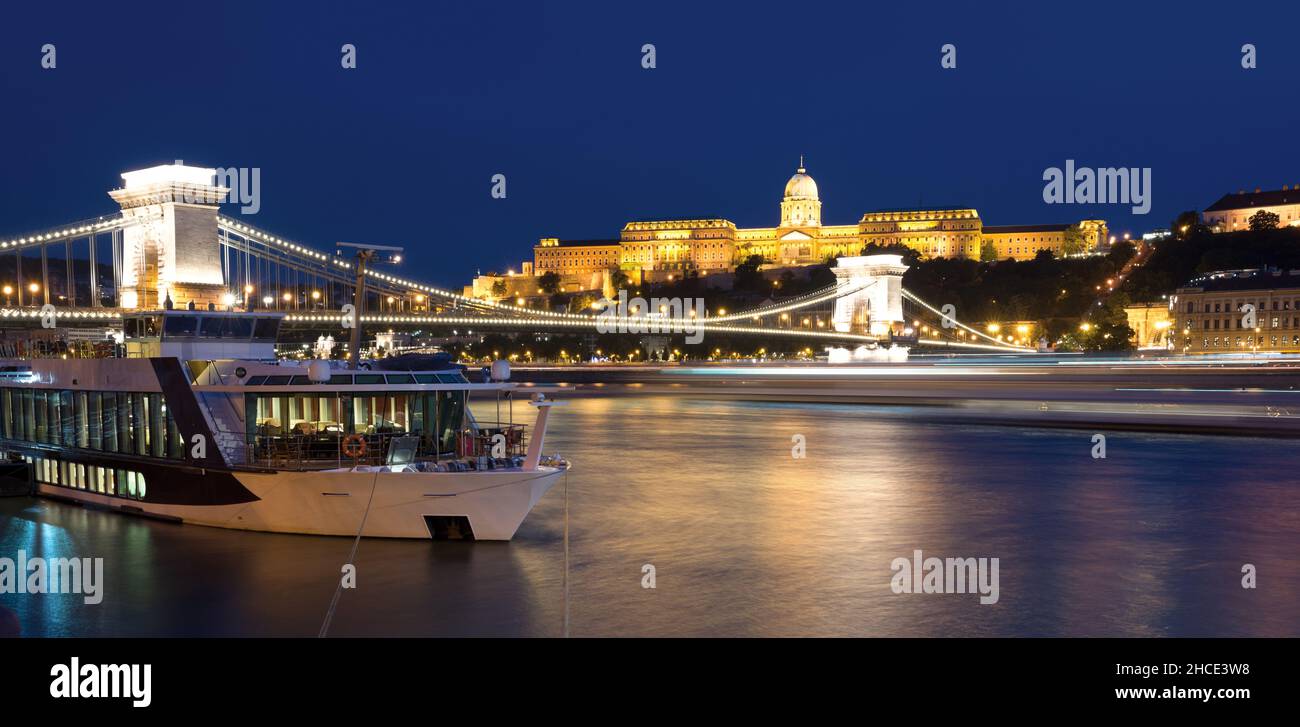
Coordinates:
x,y
308,449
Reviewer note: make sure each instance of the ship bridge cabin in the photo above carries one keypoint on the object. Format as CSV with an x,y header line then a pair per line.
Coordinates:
x,y
192,335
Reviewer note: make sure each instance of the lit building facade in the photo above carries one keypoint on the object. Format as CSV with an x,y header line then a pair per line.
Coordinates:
x,y
1207,314
661,250
1233,211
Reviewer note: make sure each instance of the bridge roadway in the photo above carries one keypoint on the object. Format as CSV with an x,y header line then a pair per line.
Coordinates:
x,y
1255,397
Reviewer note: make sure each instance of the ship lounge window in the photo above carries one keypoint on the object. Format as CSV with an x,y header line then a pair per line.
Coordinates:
x,y
340,380
255,381
277,380
363,379
311,426
401,379
426,378
181,326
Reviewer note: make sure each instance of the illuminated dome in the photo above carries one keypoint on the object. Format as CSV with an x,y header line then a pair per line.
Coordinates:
x,y
801,186
801,207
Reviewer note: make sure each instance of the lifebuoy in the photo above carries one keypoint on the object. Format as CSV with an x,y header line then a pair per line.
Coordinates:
x,y
354,446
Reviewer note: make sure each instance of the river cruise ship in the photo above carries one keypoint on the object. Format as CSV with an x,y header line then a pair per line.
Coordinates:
x,y
192,418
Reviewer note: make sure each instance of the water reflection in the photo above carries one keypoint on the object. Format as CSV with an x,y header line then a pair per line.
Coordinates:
x,y
747,540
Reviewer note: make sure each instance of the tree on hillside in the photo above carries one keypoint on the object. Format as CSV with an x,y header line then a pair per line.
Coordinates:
x,y
499,288
1075,241
1188,224
618,279
549,282
747,275
988,251
1264,220
1121,252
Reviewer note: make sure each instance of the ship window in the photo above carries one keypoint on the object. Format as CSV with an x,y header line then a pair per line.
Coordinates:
x,y
426,378
341,379
299,381
400,379
108,408
266,329
139,424
231,327
277,380
81,400
369,379
41,410
181,326
451,378
255,381
176,443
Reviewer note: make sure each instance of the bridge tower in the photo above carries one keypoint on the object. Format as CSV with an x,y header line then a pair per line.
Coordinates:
x,y
877,303
170,246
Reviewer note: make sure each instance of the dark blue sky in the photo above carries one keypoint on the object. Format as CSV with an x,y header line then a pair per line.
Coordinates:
x,y
552,95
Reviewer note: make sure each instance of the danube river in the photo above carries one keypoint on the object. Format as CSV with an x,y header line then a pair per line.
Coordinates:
x,y
746,540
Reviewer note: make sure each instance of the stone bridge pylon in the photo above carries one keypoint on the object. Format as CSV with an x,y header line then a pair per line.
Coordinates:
x,y
875,307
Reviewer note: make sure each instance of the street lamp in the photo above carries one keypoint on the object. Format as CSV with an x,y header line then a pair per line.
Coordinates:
x,y
9,291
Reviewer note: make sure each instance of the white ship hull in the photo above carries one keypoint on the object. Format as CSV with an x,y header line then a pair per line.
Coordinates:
x,y
333,502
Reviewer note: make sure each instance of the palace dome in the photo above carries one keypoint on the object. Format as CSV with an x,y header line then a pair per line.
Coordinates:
x,y
801,186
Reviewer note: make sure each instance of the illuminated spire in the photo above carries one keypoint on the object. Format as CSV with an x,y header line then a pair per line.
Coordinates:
x,y
801,170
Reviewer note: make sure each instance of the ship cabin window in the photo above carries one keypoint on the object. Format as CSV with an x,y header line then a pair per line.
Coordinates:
x,y
95,478
135,423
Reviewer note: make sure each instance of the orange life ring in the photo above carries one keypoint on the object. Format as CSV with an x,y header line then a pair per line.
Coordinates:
x,y
354,446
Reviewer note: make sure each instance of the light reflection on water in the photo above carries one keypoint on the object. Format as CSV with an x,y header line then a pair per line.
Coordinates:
x,y
746,540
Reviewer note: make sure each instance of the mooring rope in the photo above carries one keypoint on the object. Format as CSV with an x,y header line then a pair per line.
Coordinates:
x,y
352,560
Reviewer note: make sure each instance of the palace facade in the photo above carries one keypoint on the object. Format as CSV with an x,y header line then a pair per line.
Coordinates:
x,y
659,250
1233,211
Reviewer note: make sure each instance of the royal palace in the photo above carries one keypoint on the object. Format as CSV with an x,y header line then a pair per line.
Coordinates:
x,y
662,250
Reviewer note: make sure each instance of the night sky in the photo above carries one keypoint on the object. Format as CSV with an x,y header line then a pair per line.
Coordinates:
x,y
553,95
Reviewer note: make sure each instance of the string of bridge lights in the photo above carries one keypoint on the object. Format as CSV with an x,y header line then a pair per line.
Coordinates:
x,y
75,229
912,297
